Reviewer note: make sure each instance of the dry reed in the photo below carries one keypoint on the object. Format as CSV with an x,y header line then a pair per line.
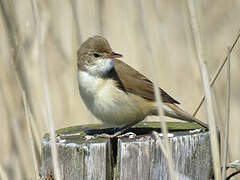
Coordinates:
x,y
41,24
3,174
166,147
30,133
207,91
226,131
219,69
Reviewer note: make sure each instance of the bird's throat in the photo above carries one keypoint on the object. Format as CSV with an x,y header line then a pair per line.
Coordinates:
x,y
100,67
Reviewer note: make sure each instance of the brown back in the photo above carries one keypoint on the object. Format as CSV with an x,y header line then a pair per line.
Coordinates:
x,y
131,81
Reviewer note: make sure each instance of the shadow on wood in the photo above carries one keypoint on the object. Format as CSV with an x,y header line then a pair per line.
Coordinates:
x,y
128,158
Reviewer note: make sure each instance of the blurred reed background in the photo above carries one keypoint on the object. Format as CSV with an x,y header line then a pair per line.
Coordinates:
x,y
51,31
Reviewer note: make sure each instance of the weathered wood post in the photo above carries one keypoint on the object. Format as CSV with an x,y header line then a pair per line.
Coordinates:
x,y
126,158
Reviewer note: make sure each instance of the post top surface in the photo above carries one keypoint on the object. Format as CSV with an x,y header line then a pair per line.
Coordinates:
x,y
78,134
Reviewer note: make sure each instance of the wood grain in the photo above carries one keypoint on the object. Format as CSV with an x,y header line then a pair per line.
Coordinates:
x,y
138,158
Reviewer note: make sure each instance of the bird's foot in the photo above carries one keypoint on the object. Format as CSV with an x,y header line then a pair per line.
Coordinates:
x,y
129,134
117,134
104,135
197,130
88,137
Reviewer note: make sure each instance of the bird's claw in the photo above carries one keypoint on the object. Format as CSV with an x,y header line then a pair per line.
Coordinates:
x,y
129,134
117,134
104,135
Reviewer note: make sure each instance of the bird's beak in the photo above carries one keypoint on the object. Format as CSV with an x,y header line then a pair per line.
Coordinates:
x,y
114,55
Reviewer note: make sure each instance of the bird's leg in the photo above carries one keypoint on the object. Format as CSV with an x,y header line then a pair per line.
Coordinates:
x,y
118,133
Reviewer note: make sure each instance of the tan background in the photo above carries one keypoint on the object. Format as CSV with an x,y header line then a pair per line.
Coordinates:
x,y
49,37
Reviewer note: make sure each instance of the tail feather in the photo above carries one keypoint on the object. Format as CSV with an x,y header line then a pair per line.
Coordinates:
x,y
174,111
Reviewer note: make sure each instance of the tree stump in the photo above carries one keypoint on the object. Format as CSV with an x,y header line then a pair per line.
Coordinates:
x,y
126,158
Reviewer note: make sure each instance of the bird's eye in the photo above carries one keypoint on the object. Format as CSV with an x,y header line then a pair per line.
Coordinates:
x,y
96,55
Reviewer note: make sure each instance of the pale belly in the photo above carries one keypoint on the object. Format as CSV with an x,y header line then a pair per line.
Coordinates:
x,y
109,104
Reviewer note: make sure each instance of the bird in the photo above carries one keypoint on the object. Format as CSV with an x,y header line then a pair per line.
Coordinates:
x,y
117,94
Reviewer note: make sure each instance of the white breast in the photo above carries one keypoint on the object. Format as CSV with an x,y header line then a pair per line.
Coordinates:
x,y
109,104
100,67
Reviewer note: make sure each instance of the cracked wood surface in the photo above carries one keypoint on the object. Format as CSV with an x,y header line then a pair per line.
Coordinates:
x,y
126,158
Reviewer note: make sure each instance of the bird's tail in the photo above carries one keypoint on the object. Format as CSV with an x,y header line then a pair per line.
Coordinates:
x,y
174,111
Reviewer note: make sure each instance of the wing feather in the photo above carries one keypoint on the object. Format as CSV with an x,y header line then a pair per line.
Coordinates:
x,y
131,81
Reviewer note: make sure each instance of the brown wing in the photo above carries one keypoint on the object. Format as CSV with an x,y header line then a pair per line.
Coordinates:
x,y
131,81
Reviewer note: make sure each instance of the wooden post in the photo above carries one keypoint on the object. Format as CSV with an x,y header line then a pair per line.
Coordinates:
x,y
126,158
